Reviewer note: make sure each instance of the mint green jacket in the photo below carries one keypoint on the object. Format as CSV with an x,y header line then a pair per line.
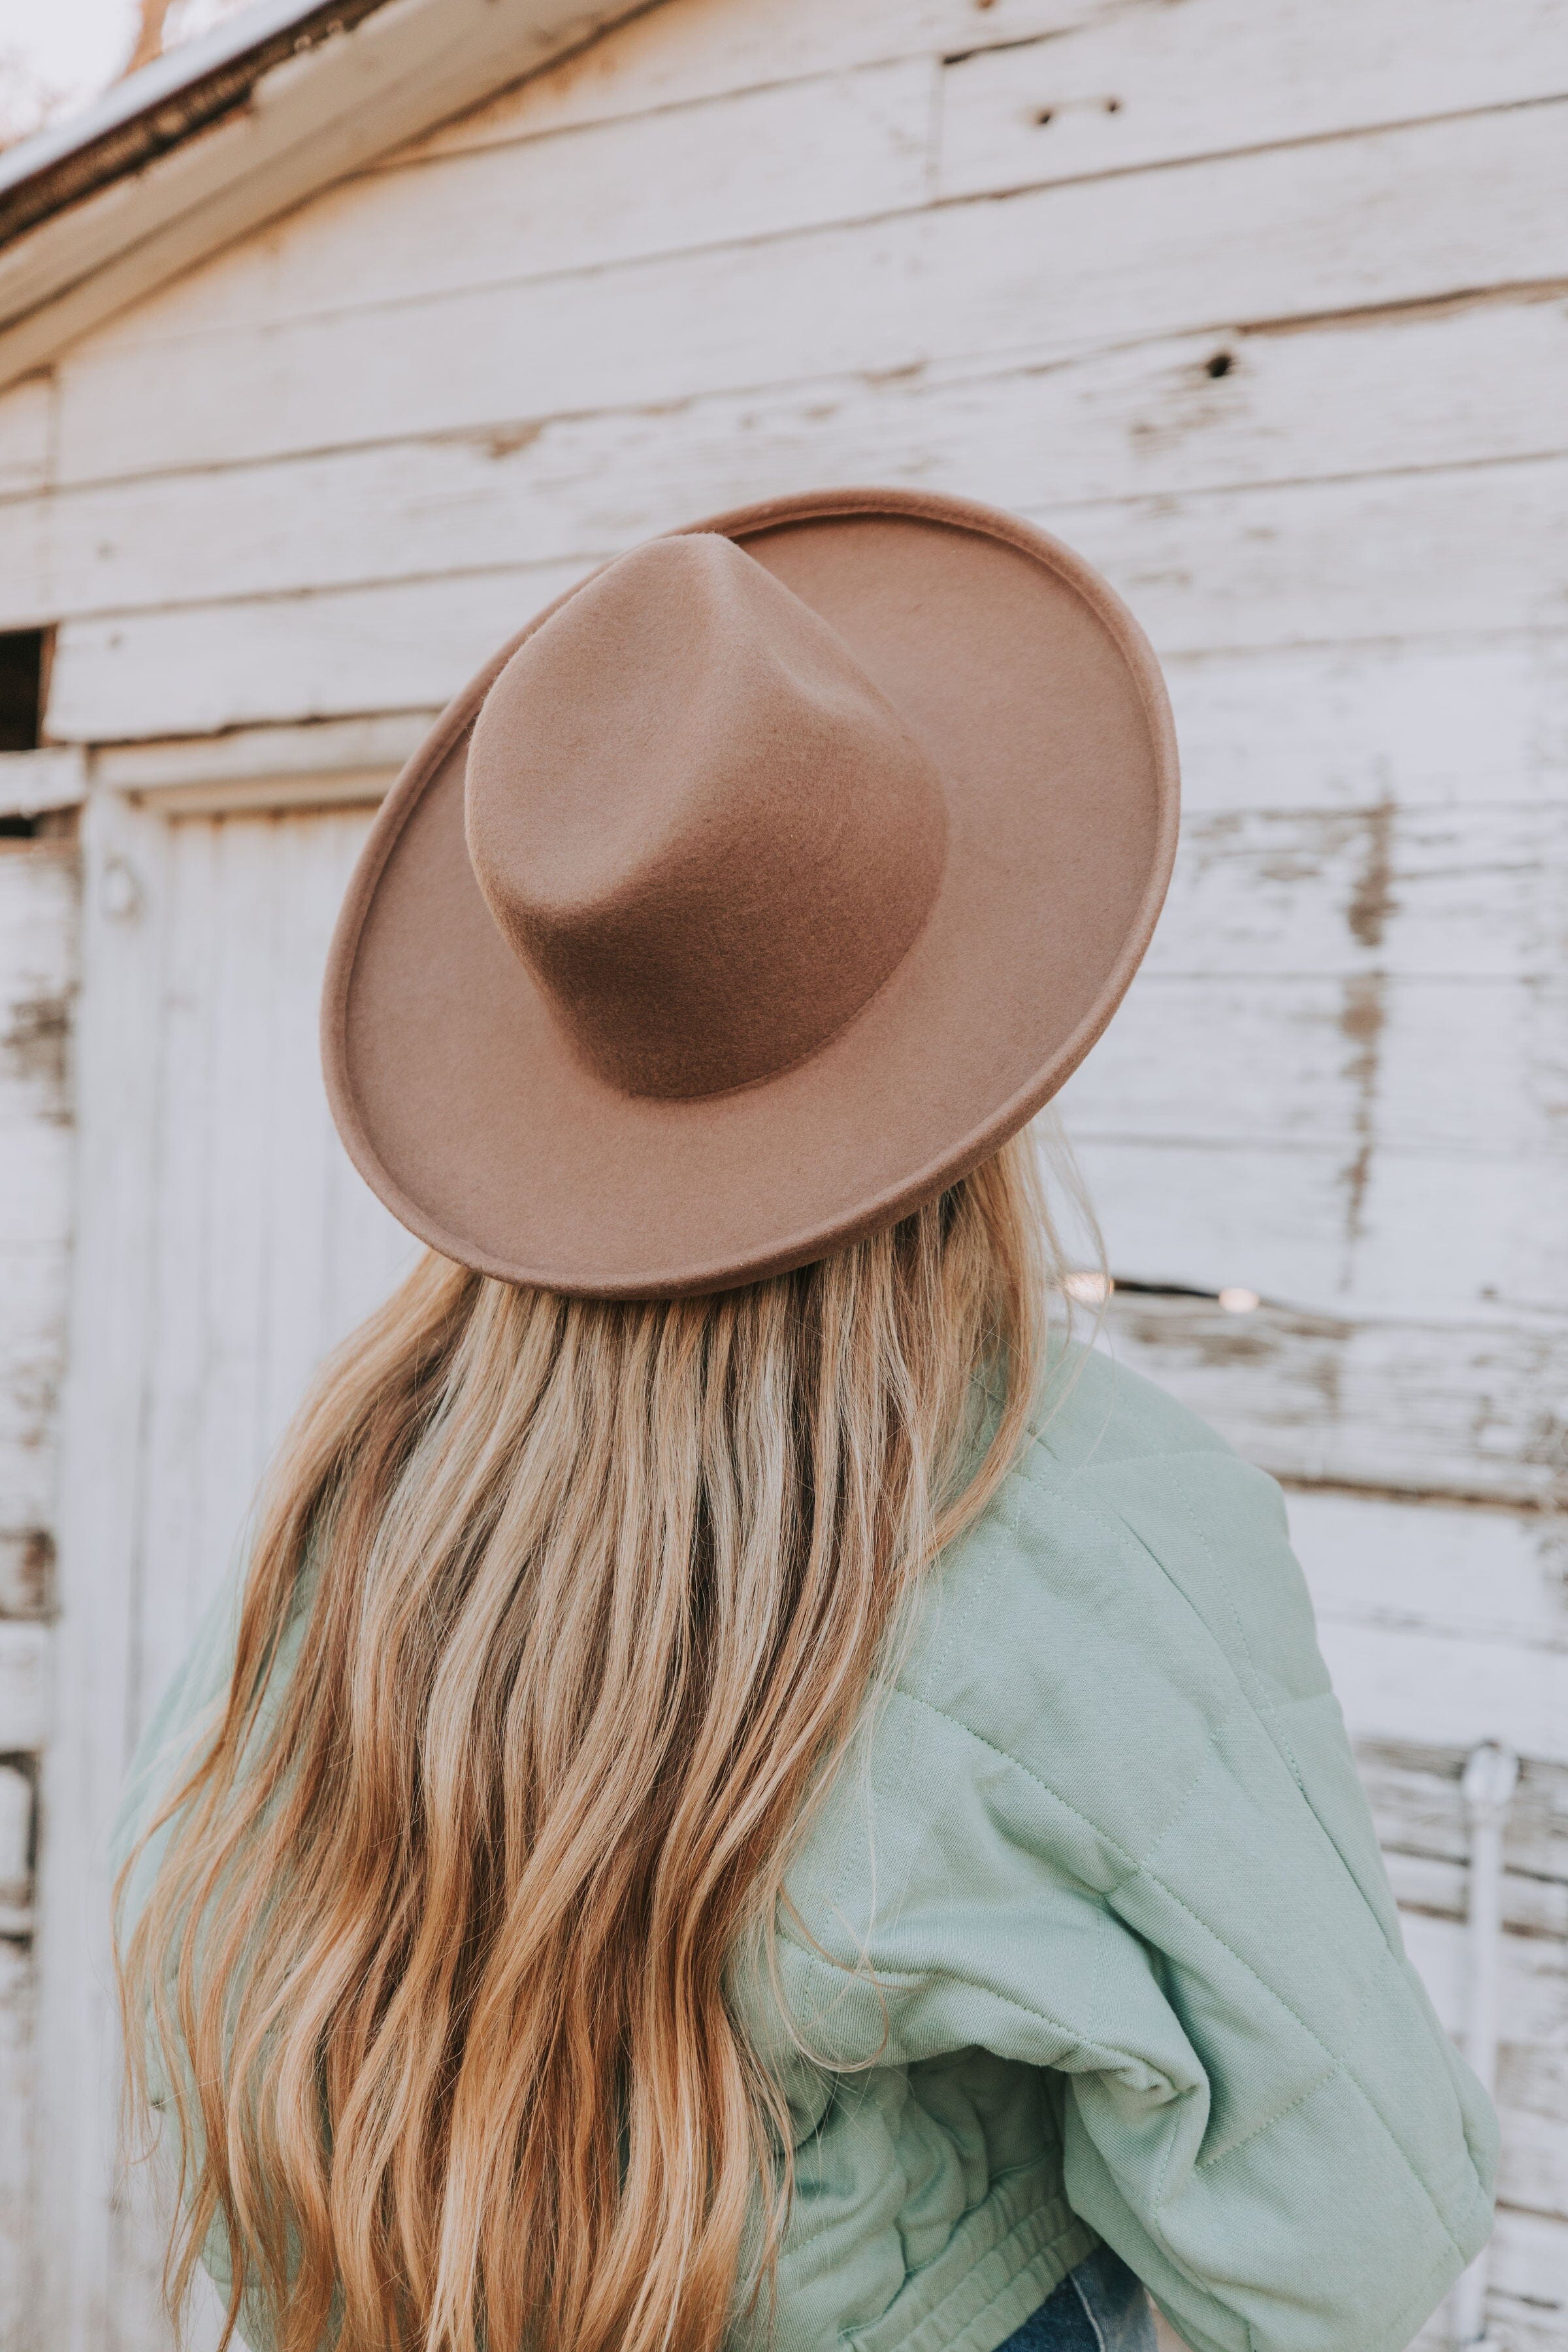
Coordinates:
x,y
1093,1939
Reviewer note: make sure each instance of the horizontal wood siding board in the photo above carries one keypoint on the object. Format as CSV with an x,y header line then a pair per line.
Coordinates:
x,y
1530,1906
26,434
1335,729
1150,86
1529,2272
1466,1410
1473,1066
688,50
762,162
1414,1793
1447,555
1405,1683
1425,724
1362,1232
25,1690
1215,74
1061,436
1268,236
1534,1974
1490,1575
830,149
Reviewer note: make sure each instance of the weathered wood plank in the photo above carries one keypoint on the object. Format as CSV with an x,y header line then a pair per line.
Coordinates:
x,y
264,766
1413,1788
406,646
1368,1231
1533,2174
1445,554
1419,555
1335,729
27,421
18,2250
1476,385
1530,2276
689,49
758,164
15,1854
99,1566
1402,1683
1431,726
268,1245
34,781
33,1283
176,1515
1151,85
1483,1575
1478,892
1459,1410
1274,235
27,1662
37,980
1530,1906
1534,1977
1472,1064
849,143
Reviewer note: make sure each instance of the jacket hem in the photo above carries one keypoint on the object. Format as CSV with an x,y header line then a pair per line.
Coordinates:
x,y
995,2293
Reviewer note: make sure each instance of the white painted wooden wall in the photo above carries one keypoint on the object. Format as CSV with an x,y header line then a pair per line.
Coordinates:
x,y
1261,303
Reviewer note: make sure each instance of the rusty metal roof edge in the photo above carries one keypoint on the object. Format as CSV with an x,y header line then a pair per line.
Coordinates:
x,y
161,106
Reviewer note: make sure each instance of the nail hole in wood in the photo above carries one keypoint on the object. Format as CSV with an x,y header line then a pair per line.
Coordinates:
x,y
1221,363
1113,106
1043,115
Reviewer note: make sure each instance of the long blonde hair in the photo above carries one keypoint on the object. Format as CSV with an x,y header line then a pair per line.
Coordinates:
x,y
585,1600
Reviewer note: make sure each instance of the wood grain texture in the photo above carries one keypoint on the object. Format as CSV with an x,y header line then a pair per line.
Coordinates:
x,y
1447,555
693,49
26,438
267,1247
1311,406
37,982
25,1687
1460,1410
538,196
757,162
17,1990
100,1565
1150,85
1277,236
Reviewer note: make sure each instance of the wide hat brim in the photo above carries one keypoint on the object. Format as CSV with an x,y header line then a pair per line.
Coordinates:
x,y
467,1109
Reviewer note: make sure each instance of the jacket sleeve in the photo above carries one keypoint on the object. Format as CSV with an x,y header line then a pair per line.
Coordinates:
x,y
1319,2172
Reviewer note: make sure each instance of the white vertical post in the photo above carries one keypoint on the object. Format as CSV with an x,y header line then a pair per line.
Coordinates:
x,y
1491,1776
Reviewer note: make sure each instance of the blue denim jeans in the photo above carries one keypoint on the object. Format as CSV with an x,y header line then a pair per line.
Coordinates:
x,y
1099,2307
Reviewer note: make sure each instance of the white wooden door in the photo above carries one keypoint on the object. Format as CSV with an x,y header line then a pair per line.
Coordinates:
x,y
223,1244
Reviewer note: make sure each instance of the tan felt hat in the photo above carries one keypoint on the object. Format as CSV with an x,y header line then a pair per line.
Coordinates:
x,y
763,885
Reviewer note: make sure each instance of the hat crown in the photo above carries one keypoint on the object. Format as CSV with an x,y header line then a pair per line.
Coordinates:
x,y
698,822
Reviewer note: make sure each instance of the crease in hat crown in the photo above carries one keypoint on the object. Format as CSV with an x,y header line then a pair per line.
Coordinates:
x,y
698,823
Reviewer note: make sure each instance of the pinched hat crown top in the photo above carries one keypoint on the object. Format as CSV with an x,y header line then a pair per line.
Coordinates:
x,y
698,823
